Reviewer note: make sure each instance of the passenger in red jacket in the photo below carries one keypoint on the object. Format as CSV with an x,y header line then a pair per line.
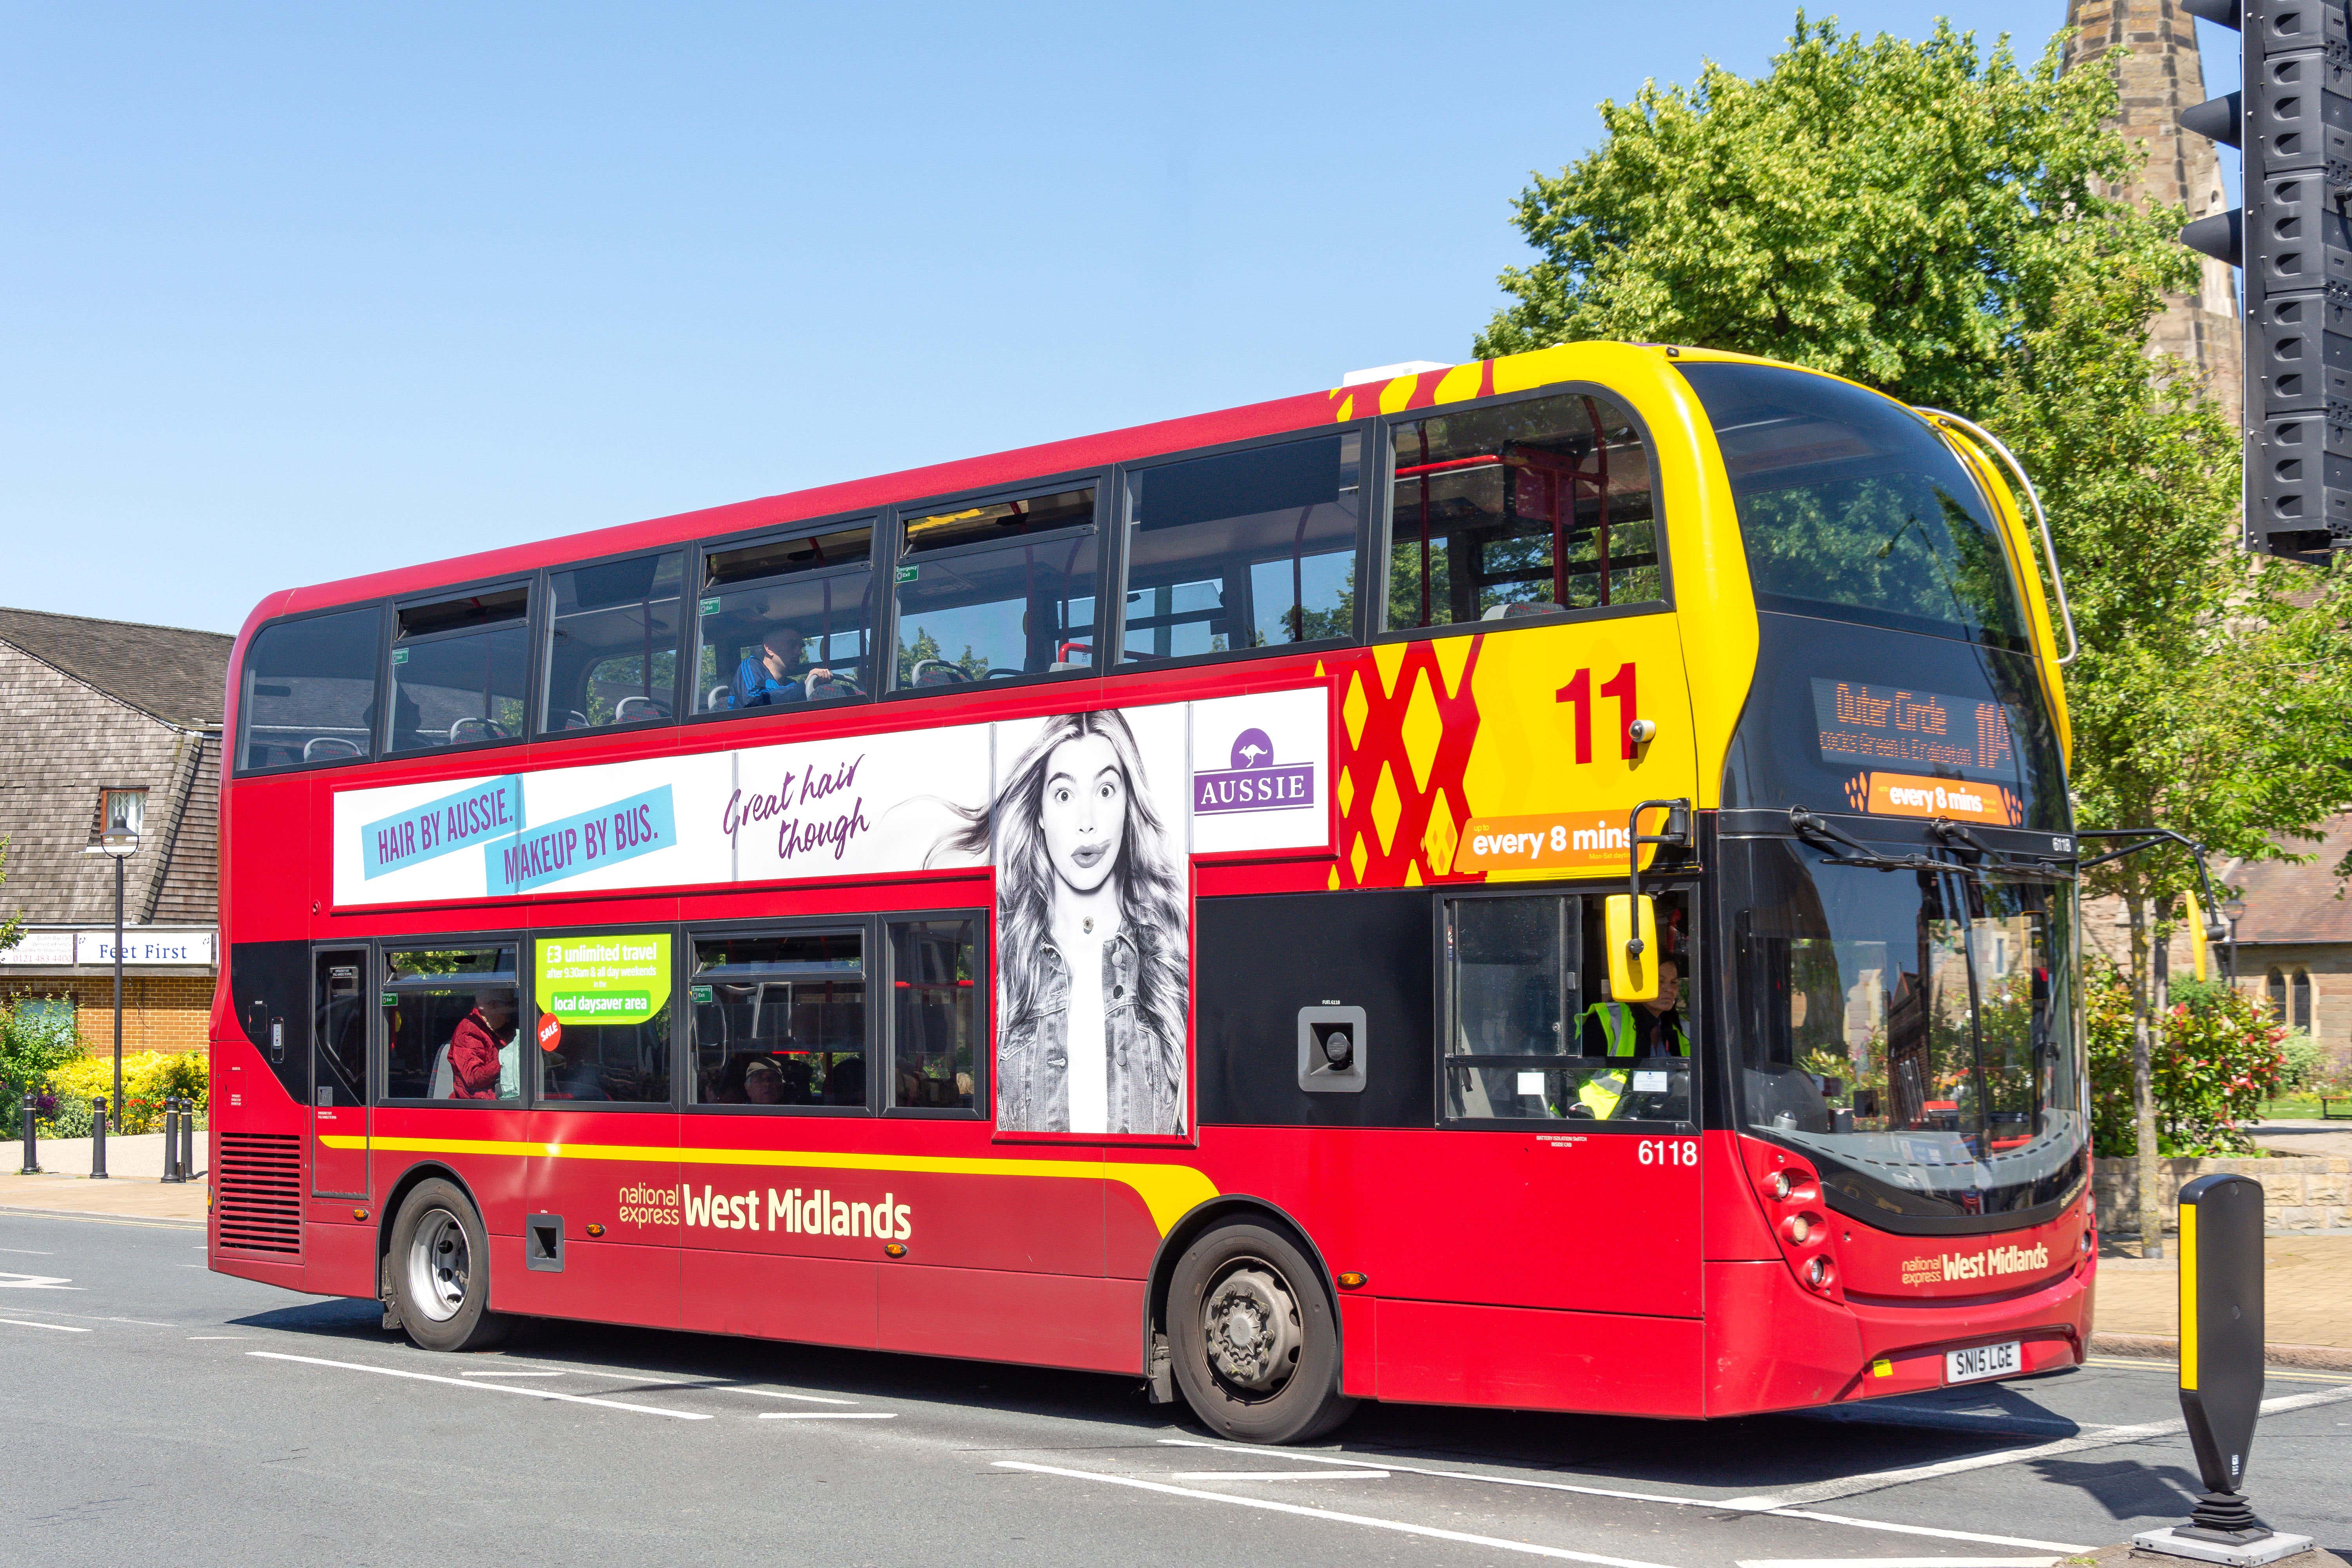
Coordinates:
x,y
474,1048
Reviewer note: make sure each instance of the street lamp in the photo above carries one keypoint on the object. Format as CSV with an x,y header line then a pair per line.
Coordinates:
x,y
124,810
2234,911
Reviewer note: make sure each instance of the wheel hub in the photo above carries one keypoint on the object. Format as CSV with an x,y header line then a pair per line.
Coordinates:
x,y
439,1263
1252,1327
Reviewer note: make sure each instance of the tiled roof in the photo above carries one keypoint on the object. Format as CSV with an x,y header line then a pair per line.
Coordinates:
x,y
177,675
60,743
2298,903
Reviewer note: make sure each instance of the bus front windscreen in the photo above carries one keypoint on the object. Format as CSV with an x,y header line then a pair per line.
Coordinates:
x,y
1916,1032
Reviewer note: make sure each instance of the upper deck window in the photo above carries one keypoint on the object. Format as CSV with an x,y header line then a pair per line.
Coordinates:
x,y
612,643
309,690
996,589
1851,508
460,668
1506,509
788,621
1243,550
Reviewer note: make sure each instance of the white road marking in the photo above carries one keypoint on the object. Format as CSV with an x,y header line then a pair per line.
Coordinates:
x,y
61,1328
484,1387
1896,1561
193,1338
1848,1485
1235,1499
509,1374
27,1252
37,1282
1278,1476
779,1394
828,1415
1359,1461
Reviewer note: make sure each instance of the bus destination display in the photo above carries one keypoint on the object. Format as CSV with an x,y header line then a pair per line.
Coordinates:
x,y
1893,726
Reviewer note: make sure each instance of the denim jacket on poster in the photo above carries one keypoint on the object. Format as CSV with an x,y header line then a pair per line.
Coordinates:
x,y
1033,1058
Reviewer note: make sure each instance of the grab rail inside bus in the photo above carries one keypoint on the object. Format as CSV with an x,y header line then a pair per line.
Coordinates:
x,y
2049,548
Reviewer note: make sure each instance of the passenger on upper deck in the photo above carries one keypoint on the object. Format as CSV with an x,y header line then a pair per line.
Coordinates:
x,y
777,673
474,1047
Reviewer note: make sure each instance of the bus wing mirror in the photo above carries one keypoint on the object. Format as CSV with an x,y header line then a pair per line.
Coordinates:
x,y
1631,922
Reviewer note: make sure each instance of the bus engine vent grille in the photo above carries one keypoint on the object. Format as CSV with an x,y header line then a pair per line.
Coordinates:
x,y
259,1192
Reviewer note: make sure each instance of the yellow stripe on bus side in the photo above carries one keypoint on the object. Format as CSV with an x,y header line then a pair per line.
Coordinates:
x,y
1169,1192
2188,1295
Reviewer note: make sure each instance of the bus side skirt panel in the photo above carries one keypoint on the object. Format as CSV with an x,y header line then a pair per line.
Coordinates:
x,y
1531,1357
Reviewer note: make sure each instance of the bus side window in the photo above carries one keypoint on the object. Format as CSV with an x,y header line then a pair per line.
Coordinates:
x,y
934,1013
779,1018
308,693
991,590
612,643
787,621
1506,510
459,669
1253,549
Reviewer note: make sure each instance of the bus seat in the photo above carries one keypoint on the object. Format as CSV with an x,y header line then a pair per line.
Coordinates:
x,y
716,701
443,1084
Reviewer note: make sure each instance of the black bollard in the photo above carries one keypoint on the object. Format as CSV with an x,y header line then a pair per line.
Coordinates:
x,y
170,1139
188,1140
97,1140
32,1143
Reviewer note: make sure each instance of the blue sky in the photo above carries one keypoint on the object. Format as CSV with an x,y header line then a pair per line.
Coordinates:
x,y
298,292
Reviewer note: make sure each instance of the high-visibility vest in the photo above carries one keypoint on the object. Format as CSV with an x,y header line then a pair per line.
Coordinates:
x,y
1600,1093
1617,1028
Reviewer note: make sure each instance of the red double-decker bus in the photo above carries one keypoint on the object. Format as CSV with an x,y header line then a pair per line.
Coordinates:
x,y
1546,884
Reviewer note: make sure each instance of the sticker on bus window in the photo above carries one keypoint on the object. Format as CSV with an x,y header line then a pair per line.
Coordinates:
x,y
400,655
601,979
709,606
907,573
701,993
551,1032
391,999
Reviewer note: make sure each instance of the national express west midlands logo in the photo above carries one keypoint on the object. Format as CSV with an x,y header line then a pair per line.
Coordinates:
x,y
1254,782
1936,1269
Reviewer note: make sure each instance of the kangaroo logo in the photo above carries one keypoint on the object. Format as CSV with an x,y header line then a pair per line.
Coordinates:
x,y
1252,749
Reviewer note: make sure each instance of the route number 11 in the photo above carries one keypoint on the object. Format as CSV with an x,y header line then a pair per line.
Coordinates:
x,y
1577,694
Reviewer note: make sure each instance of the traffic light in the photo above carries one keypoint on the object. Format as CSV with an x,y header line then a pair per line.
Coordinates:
x,y
2293,238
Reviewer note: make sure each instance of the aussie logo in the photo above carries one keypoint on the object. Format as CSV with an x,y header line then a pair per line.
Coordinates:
x,y
1254,782
1999,1260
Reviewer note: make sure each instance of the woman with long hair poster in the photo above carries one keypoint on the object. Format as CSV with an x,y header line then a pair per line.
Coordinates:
x,y
1093,977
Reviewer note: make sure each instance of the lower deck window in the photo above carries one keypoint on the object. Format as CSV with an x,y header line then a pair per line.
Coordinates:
x,y
449,1019
604,1031
1530,1031
780,1019
934,1013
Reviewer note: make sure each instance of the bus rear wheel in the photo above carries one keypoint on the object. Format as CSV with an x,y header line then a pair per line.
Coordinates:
x,y
440,1269
1255,1340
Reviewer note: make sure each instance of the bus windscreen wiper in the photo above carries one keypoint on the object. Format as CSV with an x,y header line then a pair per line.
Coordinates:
x,y
1846,850
1998,862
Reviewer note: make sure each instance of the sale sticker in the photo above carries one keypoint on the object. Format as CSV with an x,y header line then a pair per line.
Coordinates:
x,y
550,1031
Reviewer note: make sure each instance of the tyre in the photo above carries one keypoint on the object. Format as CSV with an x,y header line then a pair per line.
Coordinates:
x,y
440,1269
1253,1338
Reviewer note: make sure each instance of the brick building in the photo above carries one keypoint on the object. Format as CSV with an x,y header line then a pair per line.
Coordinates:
x,y
87,706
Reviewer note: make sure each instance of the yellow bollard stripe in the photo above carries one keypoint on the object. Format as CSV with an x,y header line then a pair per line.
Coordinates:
x,y
2188,1295
1169,1192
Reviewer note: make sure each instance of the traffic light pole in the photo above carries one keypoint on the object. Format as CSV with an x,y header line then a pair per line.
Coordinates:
x,y
2292,235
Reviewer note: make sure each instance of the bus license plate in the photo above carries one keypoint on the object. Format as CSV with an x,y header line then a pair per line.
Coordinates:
x,y
1982,1361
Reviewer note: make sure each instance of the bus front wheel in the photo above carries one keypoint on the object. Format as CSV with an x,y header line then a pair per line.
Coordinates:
x,y
1256,1344
440,1268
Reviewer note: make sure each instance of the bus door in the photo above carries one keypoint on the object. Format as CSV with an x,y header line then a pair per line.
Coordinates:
x,y
339,1057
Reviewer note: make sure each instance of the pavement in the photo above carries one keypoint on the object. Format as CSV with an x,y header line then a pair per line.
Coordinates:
x,y
134,1186
159,1412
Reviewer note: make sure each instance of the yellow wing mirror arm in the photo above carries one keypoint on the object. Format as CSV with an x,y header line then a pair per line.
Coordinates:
x,y
2206,925
1631,919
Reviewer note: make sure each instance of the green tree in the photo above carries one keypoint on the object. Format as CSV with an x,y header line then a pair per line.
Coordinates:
x,y
1930,218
